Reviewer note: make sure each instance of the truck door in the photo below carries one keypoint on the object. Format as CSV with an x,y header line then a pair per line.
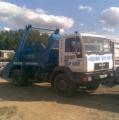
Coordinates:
x,y
71,53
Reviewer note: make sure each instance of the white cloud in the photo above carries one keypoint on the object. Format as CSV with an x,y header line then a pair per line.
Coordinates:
x,y
110,17
108,29
20,16
83,7
6,29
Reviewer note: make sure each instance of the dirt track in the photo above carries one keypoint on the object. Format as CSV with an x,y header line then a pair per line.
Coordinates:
x,y
39,102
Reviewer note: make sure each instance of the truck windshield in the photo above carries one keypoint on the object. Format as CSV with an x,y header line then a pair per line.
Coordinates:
x,y
96,44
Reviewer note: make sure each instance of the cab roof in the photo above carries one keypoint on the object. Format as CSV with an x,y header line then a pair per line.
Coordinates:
x,y
92,35
84,34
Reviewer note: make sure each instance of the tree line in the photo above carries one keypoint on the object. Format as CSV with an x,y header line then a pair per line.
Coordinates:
x,y
9,40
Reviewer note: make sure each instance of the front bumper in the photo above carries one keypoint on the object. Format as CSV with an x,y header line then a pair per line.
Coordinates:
x,y
100,75
93,76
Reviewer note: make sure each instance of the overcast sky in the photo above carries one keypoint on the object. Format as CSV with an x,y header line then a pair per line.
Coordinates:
x,y
101,16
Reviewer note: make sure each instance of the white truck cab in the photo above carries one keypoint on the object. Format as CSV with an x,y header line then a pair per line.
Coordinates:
x,y
85,53
88,59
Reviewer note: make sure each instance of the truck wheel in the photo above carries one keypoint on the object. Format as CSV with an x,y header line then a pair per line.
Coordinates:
x,y
63,85
17,78
93,86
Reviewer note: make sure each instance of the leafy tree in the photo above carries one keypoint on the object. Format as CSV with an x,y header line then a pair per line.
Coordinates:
x,y
10,39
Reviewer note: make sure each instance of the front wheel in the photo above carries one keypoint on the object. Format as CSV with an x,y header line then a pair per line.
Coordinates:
x,y
63,85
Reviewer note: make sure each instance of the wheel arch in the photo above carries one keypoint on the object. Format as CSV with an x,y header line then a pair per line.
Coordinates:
x,y
60,70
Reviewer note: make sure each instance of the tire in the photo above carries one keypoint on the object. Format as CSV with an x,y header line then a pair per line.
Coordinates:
x,y
63,85
93,86
17,78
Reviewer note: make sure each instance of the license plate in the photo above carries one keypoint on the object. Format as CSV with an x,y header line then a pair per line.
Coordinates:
x,y
103,76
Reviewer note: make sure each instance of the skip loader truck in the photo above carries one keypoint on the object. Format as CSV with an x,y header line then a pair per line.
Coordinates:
x,y
69,62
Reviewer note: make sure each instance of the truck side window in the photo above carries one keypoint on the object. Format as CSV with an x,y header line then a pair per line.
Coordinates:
x,y
72,45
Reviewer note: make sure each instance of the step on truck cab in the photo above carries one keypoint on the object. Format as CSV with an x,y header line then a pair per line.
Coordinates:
x,y
77,61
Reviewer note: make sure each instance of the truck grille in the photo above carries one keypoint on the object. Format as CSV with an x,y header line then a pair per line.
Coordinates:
x,y
101,66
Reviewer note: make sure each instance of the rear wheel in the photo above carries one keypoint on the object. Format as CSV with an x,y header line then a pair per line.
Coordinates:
x,y
63,85
17,78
